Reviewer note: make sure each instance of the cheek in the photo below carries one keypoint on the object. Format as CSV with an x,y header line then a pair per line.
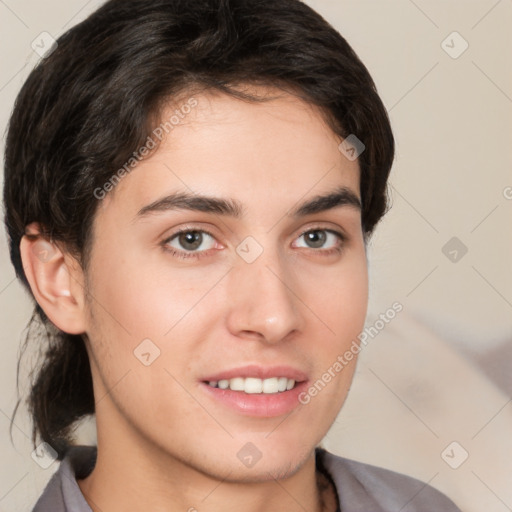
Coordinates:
x,y
136,301
342,305
145,297
352,297
339,297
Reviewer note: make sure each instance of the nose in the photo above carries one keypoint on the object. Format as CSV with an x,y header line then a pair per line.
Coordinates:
x,y
263,299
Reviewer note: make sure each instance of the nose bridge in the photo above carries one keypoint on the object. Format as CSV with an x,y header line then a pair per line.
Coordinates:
x,y
261,294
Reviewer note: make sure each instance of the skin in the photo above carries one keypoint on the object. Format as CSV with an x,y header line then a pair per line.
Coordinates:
x,y
163,443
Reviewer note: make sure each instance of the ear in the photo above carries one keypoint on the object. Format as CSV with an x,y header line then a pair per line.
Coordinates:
x,y
56,280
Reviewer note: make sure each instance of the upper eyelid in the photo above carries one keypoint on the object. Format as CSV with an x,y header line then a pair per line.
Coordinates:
x,y
336,231
188,230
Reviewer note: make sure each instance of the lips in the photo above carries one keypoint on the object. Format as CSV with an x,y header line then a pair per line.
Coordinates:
x,y
257,391
258,372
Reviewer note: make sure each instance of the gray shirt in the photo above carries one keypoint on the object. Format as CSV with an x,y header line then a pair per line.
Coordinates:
x,y
360,487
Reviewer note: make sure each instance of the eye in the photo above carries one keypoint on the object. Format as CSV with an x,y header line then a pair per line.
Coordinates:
x,y
319,238
189,243
196,243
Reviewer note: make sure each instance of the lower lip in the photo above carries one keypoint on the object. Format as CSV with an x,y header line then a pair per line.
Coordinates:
x,y
263,405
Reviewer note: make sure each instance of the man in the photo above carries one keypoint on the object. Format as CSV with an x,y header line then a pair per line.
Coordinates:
x,y
189,192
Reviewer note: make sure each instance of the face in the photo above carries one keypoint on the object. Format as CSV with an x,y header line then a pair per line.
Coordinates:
x,y
209,318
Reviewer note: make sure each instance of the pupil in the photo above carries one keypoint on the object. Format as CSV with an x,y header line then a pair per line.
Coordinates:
x,y
193,238
317,238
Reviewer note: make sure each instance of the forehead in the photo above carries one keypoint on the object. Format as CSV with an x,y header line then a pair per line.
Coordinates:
x,y
269,155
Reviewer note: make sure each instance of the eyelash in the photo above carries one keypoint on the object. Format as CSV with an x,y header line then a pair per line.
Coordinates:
x,y
201,254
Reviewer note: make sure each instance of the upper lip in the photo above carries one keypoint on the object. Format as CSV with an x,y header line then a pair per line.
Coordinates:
x,y
259,372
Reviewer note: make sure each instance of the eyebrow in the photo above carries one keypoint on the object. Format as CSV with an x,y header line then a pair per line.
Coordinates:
x,y
341,196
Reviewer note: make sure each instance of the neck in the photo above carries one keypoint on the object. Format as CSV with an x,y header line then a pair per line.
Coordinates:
x,y
145,477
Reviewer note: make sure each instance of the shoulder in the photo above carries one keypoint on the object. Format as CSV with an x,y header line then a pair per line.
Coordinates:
x,y
363,487
62,493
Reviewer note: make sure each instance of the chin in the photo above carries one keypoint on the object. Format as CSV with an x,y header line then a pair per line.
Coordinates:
x,y
280,457
268,470
252,460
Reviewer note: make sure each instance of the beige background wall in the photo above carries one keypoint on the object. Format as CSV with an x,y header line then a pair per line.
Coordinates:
x,y
441,371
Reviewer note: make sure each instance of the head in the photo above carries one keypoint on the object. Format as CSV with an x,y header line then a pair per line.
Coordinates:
x,y
178,205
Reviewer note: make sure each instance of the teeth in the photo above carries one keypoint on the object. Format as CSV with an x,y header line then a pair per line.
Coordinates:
x,y
270,385
252,385
237,384
223,384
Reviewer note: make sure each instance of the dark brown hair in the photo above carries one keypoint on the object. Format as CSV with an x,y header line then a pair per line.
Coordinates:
x,y
88,106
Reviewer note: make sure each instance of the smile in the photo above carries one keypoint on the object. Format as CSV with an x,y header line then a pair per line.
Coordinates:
x,y
254,385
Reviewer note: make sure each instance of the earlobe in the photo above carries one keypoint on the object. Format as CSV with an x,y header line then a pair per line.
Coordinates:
x,y
55,280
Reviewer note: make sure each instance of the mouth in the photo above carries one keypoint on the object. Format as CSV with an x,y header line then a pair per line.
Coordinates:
x,y
255,390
